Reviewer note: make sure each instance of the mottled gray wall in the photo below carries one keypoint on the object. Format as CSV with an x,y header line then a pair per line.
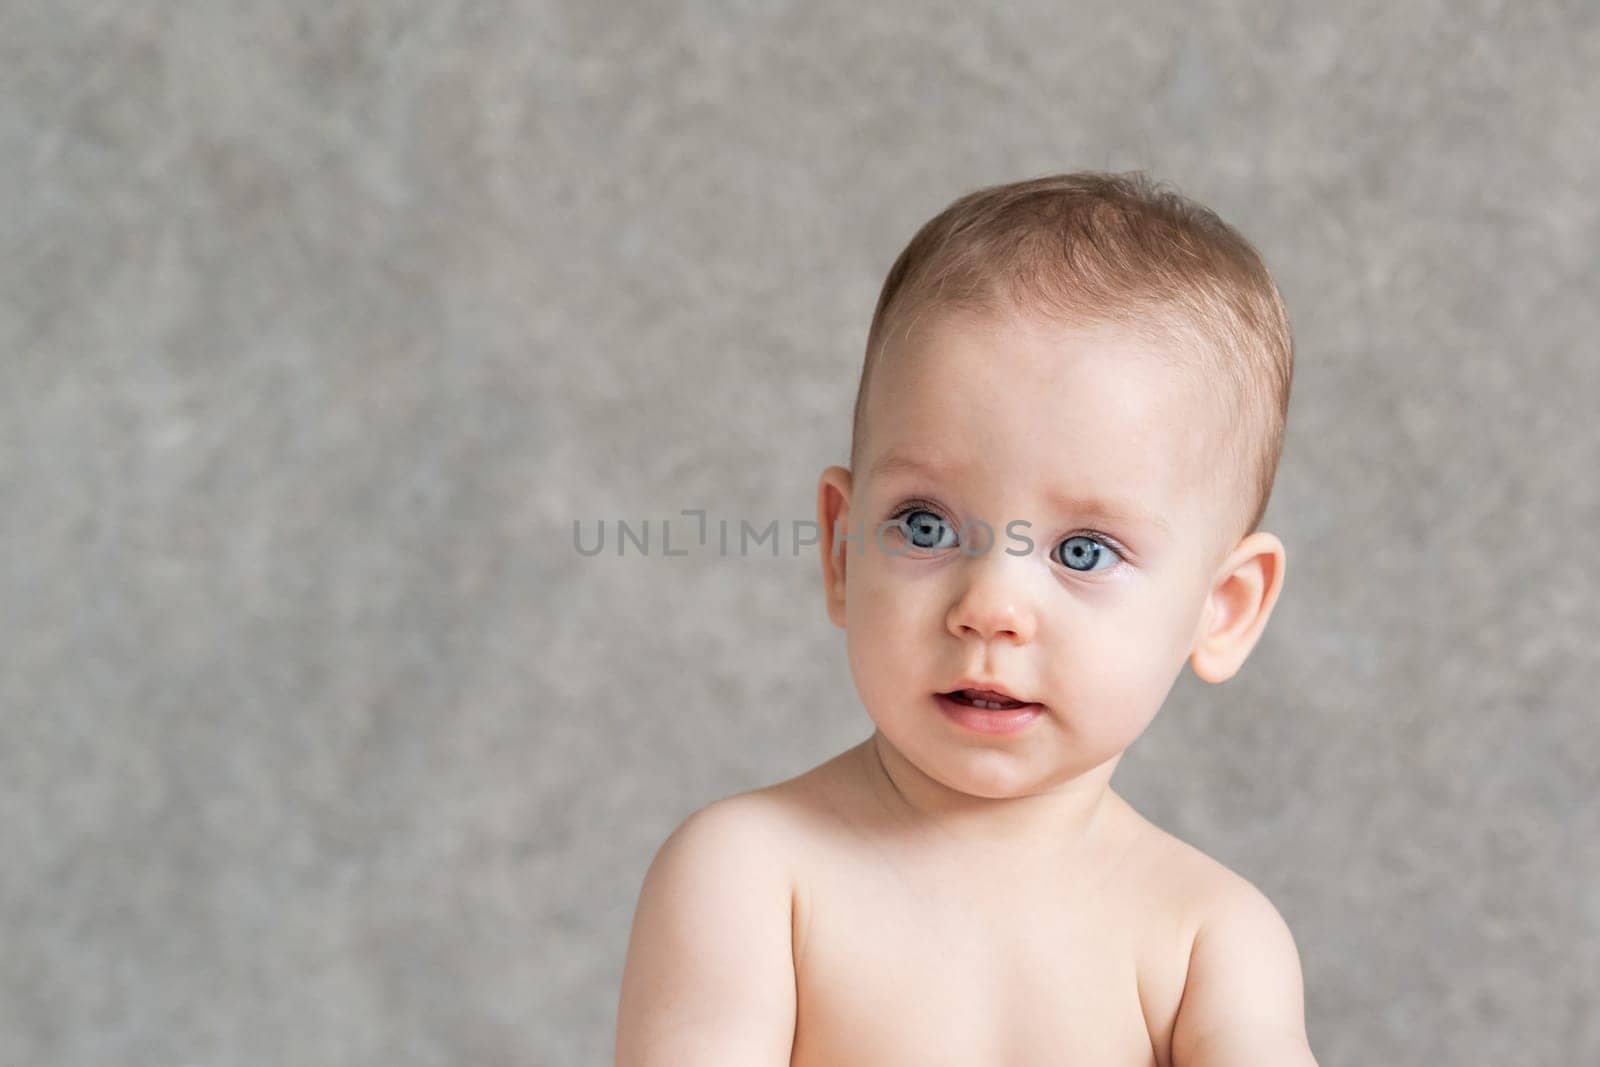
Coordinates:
x,y
321,323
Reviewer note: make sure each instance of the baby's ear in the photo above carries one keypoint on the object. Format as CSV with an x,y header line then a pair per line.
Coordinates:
x,y
833,517
1241,599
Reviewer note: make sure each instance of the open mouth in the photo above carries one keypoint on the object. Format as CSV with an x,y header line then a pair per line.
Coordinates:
x,y
987,699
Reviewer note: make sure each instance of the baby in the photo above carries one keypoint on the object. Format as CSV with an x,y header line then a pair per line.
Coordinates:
x,y
1066,431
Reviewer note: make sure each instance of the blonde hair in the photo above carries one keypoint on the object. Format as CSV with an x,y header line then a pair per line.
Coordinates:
x,y
1091,248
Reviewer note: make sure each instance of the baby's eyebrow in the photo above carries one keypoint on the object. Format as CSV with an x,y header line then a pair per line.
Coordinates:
x,y
1114,510
894,463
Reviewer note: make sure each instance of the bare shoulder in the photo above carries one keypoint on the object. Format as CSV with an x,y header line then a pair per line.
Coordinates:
x,y
810,808
772,823
1212,897
1193,883
709,975
750,828
1243,995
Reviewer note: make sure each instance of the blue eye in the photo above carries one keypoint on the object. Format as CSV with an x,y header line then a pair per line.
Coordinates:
x,y
1081,552
926,530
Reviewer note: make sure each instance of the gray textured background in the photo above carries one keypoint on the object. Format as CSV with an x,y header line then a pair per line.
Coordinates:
x,y
322,323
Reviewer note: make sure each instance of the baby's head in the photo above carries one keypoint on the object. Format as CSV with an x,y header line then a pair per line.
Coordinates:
x,y
1067,427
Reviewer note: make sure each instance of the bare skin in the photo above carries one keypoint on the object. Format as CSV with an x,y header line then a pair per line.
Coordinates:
x,y
912,950
947,894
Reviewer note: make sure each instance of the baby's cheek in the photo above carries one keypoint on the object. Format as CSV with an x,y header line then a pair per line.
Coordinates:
x,y
1106,692
875,629
874,595
1137,690
886,631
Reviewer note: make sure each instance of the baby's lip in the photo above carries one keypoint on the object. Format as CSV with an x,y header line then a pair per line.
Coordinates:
x,y
987,690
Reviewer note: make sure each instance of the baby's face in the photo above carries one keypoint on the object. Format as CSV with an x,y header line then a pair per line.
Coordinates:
x,y
1006,420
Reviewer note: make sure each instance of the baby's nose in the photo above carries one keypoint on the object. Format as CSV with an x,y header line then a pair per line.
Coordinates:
x,y
996,603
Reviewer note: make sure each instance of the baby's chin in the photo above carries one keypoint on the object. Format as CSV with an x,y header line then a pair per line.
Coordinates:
x,y
998,775
971,769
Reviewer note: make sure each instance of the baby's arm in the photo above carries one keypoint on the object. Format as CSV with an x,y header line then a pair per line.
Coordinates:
x,y
1244,1003
709,979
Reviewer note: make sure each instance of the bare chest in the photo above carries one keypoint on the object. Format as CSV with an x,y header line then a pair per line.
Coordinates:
x,y
894,968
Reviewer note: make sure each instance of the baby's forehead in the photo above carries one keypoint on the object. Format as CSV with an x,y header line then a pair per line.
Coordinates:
x,y
1114,388
1098,372
1020,350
